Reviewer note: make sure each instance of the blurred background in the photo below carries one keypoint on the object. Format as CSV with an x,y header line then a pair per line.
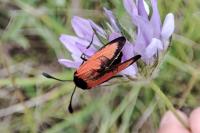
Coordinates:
x,y
29,45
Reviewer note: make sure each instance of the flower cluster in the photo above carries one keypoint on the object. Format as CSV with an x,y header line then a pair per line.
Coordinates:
x,y
152,36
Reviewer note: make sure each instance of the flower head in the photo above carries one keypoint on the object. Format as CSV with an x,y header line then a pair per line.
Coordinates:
x,y
152,38
84,29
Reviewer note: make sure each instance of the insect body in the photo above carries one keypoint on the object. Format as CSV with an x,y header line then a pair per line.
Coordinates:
x,y
103,65
100,67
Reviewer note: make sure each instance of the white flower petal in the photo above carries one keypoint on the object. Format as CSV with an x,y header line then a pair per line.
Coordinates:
x,y
168,27
76,57
130,71
154,47
69,63
69,43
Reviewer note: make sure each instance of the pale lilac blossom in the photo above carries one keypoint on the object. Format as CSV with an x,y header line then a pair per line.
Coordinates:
x,y
152,37
76,45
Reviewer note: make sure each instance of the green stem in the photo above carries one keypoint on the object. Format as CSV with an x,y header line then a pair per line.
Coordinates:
x,y
168,104
187,91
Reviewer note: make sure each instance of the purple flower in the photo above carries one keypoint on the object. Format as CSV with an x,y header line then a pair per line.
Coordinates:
x,y
152,38
76,45
152,35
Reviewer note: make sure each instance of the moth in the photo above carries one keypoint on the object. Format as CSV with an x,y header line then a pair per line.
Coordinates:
x,y
104,65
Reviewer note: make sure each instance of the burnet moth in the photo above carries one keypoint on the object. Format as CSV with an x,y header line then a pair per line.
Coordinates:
x,y
100,67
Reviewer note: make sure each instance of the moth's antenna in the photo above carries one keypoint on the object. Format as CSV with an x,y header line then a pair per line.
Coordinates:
x,y
52,77
70,104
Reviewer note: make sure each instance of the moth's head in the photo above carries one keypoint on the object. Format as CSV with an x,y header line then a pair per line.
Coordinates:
x,y
79,82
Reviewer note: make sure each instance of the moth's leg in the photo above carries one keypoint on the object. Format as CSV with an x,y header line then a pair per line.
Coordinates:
x,y
83,55
90,42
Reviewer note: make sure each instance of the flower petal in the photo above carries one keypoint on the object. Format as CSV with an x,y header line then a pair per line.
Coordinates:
x,y
112,19
98,29
69,43
76,57
131,71
130,7
69,63
154,47
145,28
155,19
83,29
141,9
89,52
113,36
128,51
168,27
140,44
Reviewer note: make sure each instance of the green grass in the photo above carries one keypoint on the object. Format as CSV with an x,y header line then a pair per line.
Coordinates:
x,y
29,44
